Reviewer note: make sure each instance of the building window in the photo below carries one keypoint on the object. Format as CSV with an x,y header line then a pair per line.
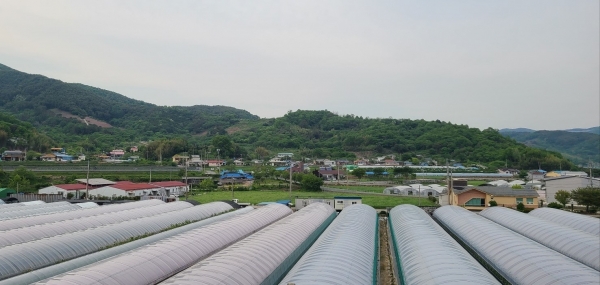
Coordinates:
x,y
519,200
529,201
354,203
478,202
340,202
410,192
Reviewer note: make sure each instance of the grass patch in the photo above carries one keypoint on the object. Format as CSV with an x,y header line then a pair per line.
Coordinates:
x,y
256,197
373,189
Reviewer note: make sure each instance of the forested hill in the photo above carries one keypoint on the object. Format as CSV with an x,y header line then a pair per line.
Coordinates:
x,y
15,134
324,134
86,110
580,147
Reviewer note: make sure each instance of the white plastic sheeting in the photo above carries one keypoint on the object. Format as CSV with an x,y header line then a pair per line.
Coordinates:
x,y
572,220
36,202
38,210
56,217
256,258
23,206
426,254
87,205
352,236
575,244
28,234
20,258
516,258
156,262
61,268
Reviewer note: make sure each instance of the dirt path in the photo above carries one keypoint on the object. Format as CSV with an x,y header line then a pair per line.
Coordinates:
x,y
386,275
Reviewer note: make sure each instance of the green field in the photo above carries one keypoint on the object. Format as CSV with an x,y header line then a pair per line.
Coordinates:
x,y
256,197
373,189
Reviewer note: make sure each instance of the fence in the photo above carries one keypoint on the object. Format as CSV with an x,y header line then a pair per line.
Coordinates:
x,y
48,198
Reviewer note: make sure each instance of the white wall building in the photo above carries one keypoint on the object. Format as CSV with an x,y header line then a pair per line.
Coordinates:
x,y
567,183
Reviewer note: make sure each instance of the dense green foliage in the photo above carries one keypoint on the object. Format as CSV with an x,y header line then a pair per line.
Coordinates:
x,y
15,134
38,99
580,147
236,133
563,197
555,205
326,135
587,196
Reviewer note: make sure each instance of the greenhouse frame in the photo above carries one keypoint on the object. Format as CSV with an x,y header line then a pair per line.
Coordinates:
x,y
517,259
425,254
158,261
264,257
64,216
353,235
22,235
20,258
572,220
575,244
60,269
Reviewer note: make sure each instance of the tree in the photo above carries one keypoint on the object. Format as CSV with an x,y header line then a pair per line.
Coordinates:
x,y
378,171
588,196
207,184
563,197
520,207
261,152
311,182
359,172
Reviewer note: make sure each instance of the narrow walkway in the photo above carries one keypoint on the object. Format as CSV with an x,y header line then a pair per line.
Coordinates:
x,y
386,272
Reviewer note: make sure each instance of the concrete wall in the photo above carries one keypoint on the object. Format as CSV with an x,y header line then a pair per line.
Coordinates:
x,y
567,184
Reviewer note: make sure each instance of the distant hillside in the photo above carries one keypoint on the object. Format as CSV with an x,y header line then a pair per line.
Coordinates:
x,y
15,134
580,147
48,103
324,134
517,130
593,130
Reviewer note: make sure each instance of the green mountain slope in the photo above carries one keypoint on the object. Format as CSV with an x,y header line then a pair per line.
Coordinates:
x,y
580,147
324,134
38,99
15,134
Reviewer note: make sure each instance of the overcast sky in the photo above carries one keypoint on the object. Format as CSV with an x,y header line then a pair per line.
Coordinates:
x,y
500,64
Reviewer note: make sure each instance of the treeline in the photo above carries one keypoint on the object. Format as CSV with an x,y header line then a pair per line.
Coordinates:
x,y
326,135
15,134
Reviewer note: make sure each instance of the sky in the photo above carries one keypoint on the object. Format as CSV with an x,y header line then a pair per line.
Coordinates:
x,y
493,63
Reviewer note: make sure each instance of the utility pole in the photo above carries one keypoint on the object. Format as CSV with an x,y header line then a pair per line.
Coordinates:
x,y
87,182
291,164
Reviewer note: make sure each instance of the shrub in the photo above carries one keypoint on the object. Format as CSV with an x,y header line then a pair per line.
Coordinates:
x,y
432,199
70,196
493,203
555,205
520,207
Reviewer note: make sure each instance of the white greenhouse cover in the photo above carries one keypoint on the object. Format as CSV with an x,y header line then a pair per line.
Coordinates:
x,y
155,262
351,236
518,259
36,202
35,210
253,259
56,217
22,235
428,255
87,205
575,244
61,268
31,206
20,258
572,220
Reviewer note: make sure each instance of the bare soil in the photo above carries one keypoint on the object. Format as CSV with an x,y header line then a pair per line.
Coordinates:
x,y
386,272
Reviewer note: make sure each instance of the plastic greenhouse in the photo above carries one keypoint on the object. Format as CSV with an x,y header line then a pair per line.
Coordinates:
x,y
426,254
515,258
351,236
63,216
264,257
158,261
28,234
20,258
19,212
575,244
64,267
23,206
572,220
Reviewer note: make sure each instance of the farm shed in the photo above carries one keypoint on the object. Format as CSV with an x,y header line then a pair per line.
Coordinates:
x,y
575,244
265,256
22,235
20,258
426,254
71,215
156,262
353,235
572,220
73,264
517,259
